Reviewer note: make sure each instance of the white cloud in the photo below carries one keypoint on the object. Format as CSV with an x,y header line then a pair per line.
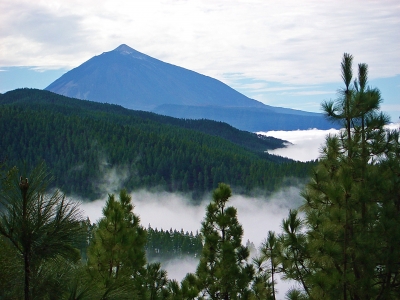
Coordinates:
x,y
286,41
93,209
178,268
309,93
393,126
306,144
166,210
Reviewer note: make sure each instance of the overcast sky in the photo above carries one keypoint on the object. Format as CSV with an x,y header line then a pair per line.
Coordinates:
x,y
283,53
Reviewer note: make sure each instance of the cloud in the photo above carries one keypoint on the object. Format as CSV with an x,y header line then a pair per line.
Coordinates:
x,y
92,209
305,144
166,210
306,93
286,41
393,126
295,45
257,214
37,35
178,268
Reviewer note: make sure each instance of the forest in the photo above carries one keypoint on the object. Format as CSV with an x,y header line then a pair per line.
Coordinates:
x,y
80,141
343,242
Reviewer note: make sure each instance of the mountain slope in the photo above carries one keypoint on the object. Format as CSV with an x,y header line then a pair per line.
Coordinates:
x,y
137,81
93,149
249,118
251,141
134,80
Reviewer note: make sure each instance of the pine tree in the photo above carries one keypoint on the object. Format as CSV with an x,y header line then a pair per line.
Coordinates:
x,y
41,229
349,246
223,272
267,266
116,254
155,282
294,255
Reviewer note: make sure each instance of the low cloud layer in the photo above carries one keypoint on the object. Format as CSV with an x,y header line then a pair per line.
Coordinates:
x,y
170,210
165,210
306,144
178,268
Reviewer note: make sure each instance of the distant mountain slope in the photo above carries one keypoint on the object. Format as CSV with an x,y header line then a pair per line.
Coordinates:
x,y
137,81
93,148
134,80
250,118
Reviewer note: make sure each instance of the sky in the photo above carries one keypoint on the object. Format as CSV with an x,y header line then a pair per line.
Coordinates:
x,y
282,53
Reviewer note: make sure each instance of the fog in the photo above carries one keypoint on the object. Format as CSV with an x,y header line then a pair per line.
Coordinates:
x,y
165,210
305,145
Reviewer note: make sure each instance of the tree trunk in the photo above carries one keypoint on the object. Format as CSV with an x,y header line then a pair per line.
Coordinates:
x,y
24,185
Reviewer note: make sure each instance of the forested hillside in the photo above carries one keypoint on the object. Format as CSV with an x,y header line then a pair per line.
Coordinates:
x,y
83,142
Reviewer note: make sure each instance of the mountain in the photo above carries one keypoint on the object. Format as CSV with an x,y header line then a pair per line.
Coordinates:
x,y
137,81
249,118
93,147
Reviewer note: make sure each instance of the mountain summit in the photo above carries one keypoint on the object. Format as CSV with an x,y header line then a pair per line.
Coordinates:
x,y
137,81
126,50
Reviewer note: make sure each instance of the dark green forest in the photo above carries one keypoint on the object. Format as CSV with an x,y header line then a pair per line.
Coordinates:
x,y
81,140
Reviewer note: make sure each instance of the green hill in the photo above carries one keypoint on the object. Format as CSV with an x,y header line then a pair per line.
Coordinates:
x,y
89,145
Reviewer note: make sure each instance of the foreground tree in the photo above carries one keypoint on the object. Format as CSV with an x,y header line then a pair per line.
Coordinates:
x,y
266,267
348,246
116,256
223,272
37,230
156,282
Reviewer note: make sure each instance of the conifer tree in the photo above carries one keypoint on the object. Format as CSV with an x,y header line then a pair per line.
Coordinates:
x,y
349,246
116,256
266,268
293,255
155,282
38,229
223,271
